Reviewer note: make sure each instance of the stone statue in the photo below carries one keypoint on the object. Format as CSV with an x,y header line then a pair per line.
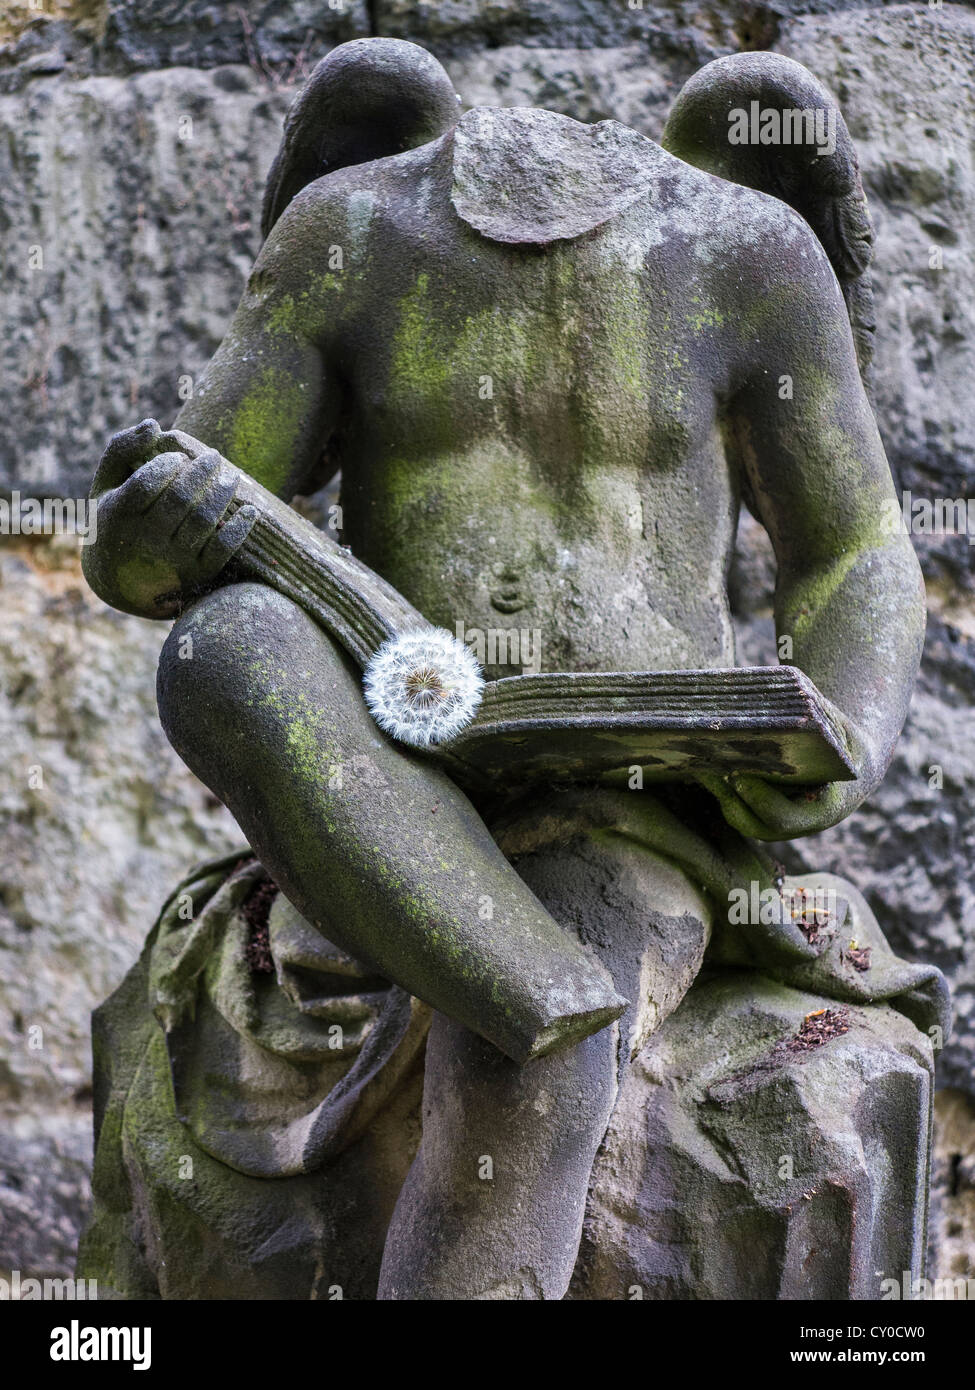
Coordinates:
x,y
421,1040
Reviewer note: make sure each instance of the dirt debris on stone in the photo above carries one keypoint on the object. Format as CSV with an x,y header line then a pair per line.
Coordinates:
x,y
256,907
858,956
818,1028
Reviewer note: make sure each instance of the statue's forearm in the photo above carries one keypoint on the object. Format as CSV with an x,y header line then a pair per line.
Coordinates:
x,y
857,628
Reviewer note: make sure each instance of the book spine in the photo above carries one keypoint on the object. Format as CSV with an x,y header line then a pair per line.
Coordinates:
x,y
352,603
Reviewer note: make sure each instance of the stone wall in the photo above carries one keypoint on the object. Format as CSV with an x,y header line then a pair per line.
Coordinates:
x,y
134,138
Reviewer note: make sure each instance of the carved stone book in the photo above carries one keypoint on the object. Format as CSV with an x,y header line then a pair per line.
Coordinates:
x,y
760,719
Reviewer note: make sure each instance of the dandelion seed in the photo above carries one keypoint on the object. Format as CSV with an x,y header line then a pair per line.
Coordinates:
x,y
423,687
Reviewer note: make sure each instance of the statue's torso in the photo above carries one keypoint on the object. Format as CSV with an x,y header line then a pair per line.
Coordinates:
x,y
535,436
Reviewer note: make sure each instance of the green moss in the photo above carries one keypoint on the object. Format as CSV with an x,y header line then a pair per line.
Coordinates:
x,y
622,335
141,580
704,318
440,357
421,363
264,431
308,738
326,284
282,317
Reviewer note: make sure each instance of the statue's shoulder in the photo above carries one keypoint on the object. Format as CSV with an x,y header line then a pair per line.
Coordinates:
x,y
355,210
755,244
384,181
723,212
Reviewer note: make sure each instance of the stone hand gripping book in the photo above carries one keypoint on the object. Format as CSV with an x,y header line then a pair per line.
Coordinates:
x,y
424,688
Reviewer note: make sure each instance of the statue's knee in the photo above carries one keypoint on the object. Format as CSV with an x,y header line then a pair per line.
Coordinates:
x,y
204,645
210,662
239,664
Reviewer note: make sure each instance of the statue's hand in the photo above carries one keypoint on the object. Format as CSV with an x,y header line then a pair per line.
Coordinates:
x,y
159,533
769,811
765,811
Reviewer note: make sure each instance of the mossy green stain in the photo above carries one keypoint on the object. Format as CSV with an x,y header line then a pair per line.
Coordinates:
x,y
283,316
266,425
708,317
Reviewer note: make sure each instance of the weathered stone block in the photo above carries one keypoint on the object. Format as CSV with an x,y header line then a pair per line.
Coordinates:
x,y
742,1164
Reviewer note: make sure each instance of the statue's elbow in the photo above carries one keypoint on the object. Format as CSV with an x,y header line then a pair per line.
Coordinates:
x,y
911,597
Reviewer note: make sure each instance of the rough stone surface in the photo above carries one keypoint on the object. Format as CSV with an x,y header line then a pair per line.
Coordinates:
x,y
909,847
727,1138
914,143
147,236
133,35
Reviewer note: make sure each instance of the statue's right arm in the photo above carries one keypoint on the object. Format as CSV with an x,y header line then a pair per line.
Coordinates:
x,y
267,402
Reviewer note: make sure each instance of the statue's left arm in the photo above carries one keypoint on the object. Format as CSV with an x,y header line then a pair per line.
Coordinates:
x,y
849,594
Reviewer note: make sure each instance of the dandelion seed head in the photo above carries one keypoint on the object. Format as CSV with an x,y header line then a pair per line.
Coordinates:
x,y
423,687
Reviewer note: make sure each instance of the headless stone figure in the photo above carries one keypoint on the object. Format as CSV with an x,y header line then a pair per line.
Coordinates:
x,y
550,361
